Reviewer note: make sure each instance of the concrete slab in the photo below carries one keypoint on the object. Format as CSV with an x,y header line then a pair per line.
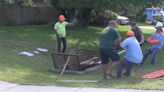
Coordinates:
x,y
26,88
6,86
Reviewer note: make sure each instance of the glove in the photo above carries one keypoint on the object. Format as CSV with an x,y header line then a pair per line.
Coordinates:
x,y
119,48
145,41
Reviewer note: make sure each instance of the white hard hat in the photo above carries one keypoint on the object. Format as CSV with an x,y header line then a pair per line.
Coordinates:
x,y
159,24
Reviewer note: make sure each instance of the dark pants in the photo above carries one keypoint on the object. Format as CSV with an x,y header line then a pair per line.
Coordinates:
x,y
124,64
154,52
62,41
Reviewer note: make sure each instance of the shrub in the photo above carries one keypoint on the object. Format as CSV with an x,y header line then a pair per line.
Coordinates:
x,y
102,17
9,1
27,2
19,2
141,18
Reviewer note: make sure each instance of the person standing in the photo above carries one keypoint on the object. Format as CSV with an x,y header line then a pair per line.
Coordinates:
x,y
109,40
60,29
133,55
156,40
137,32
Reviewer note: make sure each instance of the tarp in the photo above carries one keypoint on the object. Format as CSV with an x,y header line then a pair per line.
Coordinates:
x,y
154,74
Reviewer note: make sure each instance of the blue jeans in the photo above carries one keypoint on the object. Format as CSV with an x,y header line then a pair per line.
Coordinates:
x,y
154,52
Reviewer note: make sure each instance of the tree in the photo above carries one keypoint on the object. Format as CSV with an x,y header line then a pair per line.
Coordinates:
x,y
80,9
20,2
122,7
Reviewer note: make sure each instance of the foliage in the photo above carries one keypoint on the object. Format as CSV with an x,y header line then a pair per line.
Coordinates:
x,y
20,2
27,2
102,17
55,3
121,7
48,2
7,1
85,7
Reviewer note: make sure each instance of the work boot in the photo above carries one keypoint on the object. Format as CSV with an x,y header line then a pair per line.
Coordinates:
x,y
109,76
126,74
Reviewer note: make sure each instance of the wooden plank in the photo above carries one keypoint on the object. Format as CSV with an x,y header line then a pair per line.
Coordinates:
x,y
65,66
87,61
68,54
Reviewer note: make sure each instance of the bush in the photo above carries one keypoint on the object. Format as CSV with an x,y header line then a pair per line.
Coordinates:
x,y
1,1
141,18
132,17
102,17
27,2
9,1
110,15
20,2
48,2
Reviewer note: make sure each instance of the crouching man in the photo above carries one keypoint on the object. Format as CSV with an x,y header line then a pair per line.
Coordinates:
x,y
133,55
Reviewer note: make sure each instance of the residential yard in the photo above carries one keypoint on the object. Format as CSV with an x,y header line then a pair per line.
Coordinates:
x,y
36,70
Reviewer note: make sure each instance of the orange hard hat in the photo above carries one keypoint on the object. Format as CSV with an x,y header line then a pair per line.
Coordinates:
x,y
130,33
61,18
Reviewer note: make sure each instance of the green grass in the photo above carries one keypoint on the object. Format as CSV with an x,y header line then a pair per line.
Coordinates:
x,y
36,70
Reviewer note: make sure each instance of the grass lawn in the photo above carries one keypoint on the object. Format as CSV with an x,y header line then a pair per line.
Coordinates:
x,y
36,70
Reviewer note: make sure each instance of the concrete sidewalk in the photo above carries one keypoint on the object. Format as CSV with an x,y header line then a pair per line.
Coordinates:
x,y
11,87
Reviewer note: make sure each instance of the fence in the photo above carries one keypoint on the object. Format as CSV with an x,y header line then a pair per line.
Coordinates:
x,y
25,15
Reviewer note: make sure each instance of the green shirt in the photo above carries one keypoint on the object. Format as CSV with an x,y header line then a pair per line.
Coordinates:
x,y
61,28
108,37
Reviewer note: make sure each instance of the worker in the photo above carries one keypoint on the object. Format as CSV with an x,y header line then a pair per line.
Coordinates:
x,y
156,40
109,40
60,29
133,55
